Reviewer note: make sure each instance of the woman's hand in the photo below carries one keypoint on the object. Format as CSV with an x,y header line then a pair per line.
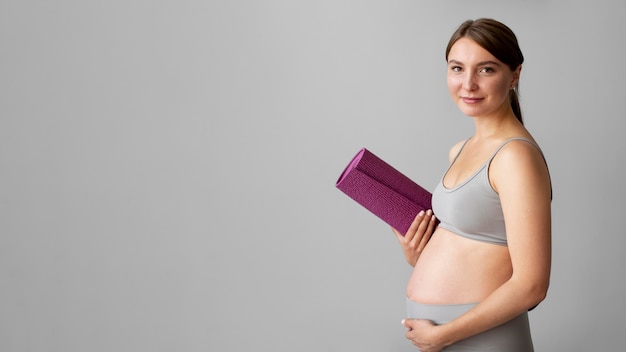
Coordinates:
x,y
423,334
416,237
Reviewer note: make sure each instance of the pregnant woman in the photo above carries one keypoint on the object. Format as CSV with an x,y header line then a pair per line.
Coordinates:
x,y
487,262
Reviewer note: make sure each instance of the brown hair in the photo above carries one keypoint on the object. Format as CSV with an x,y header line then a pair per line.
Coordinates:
x,y
497,39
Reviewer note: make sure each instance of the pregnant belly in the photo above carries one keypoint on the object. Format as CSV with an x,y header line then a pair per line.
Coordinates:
x,y
454,270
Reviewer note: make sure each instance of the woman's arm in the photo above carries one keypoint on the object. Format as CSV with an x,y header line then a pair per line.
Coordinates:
x,y
520,176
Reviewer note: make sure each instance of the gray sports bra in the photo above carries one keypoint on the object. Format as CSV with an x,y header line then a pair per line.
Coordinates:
x,y
472,209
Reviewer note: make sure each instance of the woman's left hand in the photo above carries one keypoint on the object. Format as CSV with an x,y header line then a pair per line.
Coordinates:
x,y
417,236
423,334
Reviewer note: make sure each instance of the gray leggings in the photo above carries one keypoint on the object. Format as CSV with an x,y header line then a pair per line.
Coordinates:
x,y
512,336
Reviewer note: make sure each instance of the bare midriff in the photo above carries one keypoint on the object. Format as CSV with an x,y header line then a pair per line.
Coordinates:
x,y
453,269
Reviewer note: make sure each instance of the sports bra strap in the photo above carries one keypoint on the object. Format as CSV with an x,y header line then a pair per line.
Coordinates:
x,y
505,142
460,150
515,139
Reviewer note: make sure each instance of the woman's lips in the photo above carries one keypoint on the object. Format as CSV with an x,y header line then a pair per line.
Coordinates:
x,y
471,100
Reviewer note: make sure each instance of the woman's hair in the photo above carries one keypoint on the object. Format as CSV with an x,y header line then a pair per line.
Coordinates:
x,y
500,41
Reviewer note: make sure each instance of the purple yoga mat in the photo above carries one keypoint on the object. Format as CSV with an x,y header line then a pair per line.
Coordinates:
x,y
383,190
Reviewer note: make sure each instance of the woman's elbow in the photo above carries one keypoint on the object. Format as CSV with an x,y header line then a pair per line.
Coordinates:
x,y
536,294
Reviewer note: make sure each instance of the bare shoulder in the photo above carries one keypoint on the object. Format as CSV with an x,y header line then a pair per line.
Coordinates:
x,y
518,152
519,162
454,151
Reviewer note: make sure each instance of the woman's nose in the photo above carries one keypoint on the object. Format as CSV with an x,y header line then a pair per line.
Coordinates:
x,y
469,81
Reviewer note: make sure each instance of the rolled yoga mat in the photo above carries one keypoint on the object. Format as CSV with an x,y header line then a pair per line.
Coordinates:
x,y
383,190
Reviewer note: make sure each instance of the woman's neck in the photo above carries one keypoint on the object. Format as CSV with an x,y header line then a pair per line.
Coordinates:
x,y
499,122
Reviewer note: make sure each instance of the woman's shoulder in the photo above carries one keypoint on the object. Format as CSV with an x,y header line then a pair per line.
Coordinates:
x,y
518,146
518,157
456,149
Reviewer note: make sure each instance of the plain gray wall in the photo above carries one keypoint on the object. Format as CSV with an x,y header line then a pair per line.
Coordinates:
x,y
167,168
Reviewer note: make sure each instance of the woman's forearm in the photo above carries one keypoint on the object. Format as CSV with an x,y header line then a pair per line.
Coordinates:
x,y
507,302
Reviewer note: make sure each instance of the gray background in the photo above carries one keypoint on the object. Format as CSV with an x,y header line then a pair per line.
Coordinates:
x,y
167,168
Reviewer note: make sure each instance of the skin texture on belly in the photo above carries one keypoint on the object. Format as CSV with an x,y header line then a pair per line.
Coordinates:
x,y
453,269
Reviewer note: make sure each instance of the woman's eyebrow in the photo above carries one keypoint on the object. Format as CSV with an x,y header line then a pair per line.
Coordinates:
x,y
482,63
488,62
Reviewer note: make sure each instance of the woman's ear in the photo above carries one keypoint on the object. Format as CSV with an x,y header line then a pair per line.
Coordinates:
x,y
516,75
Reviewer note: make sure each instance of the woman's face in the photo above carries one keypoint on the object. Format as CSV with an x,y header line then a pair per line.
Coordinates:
x,y
479,83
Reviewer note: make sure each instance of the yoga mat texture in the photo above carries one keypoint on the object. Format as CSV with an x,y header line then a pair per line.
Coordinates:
x,y
383,190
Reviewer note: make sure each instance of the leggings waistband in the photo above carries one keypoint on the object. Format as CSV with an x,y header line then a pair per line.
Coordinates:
x,y
438,313
512,336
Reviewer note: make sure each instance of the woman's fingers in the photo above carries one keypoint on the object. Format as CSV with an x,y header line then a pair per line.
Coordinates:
x,y
414,228
422,227
415,239
428,233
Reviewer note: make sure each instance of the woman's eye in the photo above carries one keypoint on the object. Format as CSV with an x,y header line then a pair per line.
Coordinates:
x,y
487,70
455,69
